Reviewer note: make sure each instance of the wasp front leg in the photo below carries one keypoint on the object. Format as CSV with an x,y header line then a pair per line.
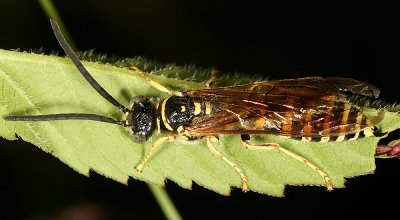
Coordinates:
x,y
153,83
155,145
276,147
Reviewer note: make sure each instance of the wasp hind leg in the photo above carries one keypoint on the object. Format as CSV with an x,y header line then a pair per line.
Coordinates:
x,y
276,147
212,79
216,152
153,83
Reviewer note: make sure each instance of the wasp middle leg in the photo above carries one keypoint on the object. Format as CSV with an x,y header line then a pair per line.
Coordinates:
x,y
216,152
276,147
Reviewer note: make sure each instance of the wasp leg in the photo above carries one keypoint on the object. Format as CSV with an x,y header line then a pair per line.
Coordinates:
x,y
275,146
153,83
155,145
213,78
215,151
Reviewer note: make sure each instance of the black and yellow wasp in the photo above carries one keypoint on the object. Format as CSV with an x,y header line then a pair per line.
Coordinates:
x,y
307,108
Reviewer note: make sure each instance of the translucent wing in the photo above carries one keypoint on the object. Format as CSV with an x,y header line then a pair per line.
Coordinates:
x,y
305,107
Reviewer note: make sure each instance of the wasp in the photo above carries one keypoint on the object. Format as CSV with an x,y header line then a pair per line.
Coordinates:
x,y
306,108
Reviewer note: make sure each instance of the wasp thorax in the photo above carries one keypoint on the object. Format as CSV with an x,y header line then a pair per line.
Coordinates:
x,y
179,110
142,118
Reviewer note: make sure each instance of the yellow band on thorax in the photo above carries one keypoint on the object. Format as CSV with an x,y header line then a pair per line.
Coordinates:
x,y
163,117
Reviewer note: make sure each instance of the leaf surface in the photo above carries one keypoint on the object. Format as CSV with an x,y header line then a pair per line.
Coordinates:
x,y
39,84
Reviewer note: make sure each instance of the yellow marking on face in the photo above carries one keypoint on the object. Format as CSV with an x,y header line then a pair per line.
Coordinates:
x,y
125,118
163,117
183,108
208,108
197,108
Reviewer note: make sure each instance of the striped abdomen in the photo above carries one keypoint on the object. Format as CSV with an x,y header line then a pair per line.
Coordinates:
x,y
338,122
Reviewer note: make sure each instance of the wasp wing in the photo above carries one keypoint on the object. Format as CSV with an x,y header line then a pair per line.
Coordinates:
x,y
305,107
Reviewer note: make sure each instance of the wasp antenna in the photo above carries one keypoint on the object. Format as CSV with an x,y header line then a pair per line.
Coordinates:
x,y
67,116
71,54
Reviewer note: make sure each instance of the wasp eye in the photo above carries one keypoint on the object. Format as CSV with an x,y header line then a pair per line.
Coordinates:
x,y
142,118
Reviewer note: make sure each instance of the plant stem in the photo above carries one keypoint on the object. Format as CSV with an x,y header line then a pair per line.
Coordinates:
x,y
165,203
51,12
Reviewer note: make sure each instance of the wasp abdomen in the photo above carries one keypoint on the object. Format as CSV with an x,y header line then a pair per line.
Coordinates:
x,y
339,122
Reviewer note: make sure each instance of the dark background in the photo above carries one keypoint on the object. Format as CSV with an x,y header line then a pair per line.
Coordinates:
x,y
279,40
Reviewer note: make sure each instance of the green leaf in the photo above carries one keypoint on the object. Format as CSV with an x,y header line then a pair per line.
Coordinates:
x,y
39,84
